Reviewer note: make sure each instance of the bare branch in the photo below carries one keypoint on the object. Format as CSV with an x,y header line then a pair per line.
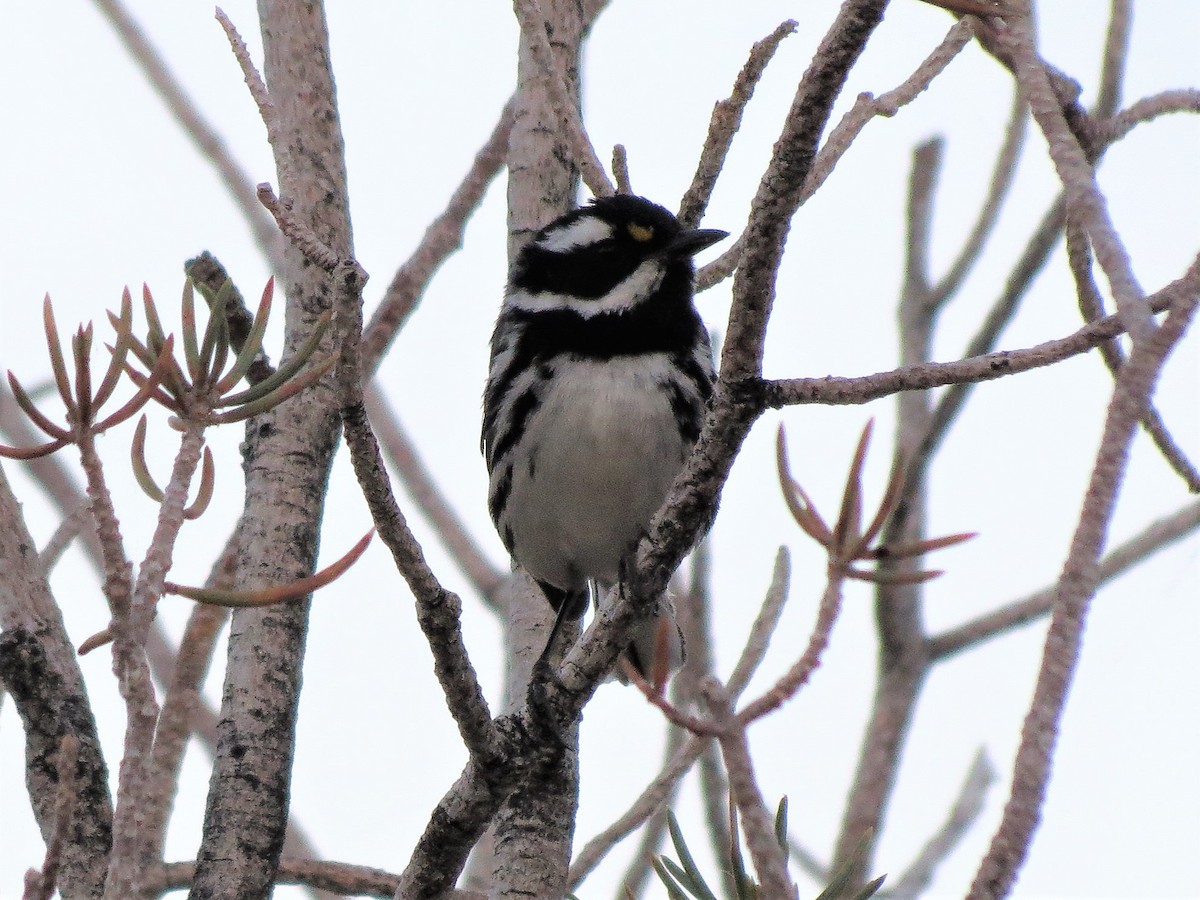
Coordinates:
x,y
758,825
297,232
725,121
1091,305
443,237
1120,559
867,107
963,815
1075,171
192,122
620,165
1074,591
418,482
339,879
1147,110
836,390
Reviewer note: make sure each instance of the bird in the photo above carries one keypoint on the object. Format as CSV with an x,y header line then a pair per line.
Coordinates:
x,y
600,374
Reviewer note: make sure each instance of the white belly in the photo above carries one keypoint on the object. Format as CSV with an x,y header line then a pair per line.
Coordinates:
x,y
605,448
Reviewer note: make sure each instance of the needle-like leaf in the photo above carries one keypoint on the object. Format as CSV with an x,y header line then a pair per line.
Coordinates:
x,y
155,334
798,502
252,346
33,452
920,548
35,415
141,469
160,397
221,354
57,362
187,317
878,577
81,350
691,877
212,337
287,368
118,352
148,387
674,890
845,532
887,506
277,594
288,390
208,480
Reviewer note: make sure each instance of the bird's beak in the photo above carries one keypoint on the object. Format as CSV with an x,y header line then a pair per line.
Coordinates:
x,y
692,241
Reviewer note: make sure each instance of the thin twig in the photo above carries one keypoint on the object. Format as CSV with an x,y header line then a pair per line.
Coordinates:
x,y
758,824
1146,110
724,124
655,794
695,621
962,817
254,80
1120,559
620,166
787,686
442,237
68,529
439,611
192,122
1003,175
867,107
314,249
837,390
1075,171
1091,305
1116,58
485,577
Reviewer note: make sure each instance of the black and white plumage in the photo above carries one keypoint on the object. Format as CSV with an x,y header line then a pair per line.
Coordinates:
x,y
600,373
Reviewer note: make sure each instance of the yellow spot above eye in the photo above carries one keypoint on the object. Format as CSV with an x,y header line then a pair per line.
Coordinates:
x,y
638,232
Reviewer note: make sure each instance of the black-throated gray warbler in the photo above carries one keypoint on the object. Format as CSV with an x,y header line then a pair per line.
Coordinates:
x,y
600,372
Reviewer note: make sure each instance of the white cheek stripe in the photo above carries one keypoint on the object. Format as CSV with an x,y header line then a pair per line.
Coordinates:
x,y
644,281
580,233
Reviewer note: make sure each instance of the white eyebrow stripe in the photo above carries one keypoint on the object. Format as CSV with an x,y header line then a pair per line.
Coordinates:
x,y
583,232
637,287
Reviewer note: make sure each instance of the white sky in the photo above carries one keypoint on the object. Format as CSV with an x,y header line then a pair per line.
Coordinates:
x,y
101,190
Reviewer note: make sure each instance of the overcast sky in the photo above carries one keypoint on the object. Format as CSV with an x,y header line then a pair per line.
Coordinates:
x,y
102,190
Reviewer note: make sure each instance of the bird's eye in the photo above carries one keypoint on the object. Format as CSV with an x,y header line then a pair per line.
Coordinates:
x,y
639,232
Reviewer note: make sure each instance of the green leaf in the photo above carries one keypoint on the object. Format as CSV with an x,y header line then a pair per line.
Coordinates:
x,y
696,884
781,826
870,888
674,890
